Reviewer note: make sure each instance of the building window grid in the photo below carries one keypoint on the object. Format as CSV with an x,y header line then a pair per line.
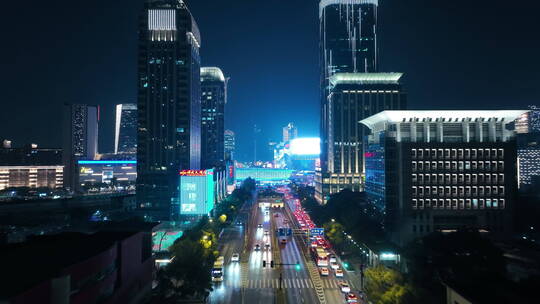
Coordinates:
x,y
458,189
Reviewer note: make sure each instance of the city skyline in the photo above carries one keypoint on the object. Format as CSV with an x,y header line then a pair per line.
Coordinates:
x,y
271,151
402,49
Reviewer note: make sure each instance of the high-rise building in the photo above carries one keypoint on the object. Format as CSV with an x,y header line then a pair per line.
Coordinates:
x,y
351,89
125,130
213,100
441,171
528,148
290,132
353,97
169,104
348,36
229,145
80,138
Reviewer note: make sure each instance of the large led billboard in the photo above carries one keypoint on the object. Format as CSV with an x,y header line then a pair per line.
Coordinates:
x,y
196,192
305,146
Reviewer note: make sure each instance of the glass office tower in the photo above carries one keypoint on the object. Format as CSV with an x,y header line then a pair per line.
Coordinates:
x,y
213,100
169,104
125,131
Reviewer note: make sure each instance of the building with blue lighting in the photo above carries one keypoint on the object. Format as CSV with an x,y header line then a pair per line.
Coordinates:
x,y
264,175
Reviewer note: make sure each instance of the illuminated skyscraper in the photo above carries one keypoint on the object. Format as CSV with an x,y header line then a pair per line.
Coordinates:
x,y
290,132
354,97
229,145
348,37
213,100
351,90
125,131
169,104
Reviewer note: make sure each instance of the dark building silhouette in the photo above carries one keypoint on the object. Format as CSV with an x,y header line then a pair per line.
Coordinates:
x,y
80,138
169,109
213,100
125,128
104,267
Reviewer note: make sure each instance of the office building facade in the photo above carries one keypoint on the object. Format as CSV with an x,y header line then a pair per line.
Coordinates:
x,y
213,100
80,138
353,97
528,149
528,152
125,128
442,171
230,144
169,104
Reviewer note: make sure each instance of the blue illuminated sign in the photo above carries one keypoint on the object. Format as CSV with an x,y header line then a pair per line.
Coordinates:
x,y
106,162
317,231
197,194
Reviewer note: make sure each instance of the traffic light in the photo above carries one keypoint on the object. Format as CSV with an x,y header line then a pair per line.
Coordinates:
x,y
264,264
345,265
272,264
297,266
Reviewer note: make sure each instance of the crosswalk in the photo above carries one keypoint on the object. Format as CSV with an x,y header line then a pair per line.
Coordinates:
x,y
286,283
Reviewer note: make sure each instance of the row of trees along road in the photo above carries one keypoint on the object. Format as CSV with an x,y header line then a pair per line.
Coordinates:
x,y
188,274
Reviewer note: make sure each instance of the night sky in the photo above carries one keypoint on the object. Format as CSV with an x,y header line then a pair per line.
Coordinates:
x,y
455,55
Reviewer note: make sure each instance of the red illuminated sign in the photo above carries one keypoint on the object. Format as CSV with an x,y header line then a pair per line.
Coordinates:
x,y
193,172
231,171
369,154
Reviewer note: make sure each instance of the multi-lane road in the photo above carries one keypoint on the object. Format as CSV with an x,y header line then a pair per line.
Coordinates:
x,y
294,278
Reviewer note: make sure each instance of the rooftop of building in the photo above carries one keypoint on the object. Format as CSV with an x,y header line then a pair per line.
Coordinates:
x,y
212,74
449,116
325,3
365,78
27,264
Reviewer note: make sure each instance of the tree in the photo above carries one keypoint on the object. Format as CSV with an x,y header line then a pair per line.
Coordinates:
x,y
386,286
334,232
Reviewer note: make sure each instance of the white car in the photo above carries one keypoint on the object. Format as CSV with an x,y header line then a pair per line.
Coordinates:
x,y
344,287
324,271
333,259
235,257
339,273
334,265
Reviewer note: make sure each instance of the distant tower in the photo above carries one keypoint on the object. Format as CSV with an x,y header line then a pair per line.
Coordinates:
x,y
125,131
289,132
169,104
256,133
213,100
80,138
229,145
